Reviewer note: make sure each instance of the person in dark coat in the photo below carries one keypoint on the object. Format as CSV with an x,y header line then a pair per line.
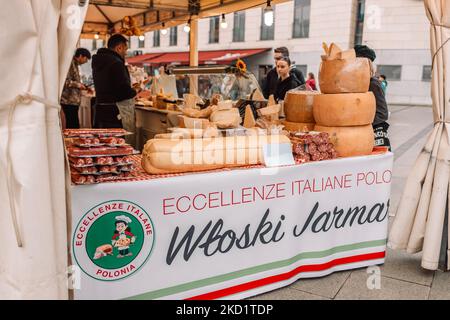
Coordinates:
x,y
287,80
112,82
380,125
271,80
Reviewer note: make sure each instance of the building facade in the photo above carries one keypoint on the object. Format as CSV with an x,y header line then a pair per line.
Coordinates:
x,y
398,30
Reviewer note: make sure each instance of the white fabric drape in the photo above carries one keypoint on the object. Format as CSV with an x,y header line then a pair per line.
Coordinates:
x,y
38,38
419,222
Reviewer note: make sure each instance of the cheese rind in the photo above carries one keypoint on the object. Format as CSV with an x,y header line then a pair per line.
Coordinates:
x,y
350,141
340,110
344,76
298,106
298,126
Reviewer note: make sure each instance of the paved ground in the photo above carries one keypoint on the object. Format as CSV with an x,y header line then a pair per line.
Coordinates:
x,y
401,275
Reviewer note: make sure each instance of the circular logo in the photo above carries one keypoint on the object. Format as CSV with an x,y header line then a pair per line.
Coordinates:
x,y
113,240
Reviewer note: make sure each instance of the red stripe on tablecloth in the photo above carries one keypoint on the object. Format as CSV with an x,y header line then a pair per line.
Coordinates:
x,y
287,275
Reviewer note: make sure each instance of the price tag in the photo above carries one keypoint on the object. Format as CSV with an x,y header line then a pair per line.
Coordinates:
x,y
276,155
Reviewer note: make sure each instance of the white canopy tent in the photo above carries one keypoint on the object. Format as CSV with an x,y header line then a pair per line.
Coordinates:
x,y
36,54
420,220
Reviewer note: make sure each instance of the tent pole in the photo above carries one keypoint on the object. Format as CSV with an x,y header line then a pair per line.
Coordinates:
x,y
443,259
193,53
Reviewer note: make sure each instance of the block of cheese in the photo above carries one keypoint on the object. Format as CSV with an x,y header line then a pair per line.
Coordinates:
x,y
225,105
298,126
350,141
226,118
163,156
271,101
249,119
196,113
185,133
193,123
298,106
346,109
344,76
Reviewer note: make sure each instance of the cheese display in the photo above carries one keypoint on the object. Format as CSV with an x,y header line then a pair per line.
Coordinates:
x,y
298,126
193,123
249,119
225,118
352,109
342,72
162,156
196,113
298,106
350,141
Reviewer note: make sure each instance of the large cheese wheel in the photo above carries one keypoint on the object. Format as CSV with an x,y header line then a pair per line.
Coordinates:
x,y
162,156
298,126
298,106
347,109
344,76
350,141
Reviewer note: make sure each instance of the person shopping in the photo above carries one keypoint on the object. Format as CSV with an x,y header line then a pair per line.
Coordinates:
x,y
286,81
71,94
380,125
112,83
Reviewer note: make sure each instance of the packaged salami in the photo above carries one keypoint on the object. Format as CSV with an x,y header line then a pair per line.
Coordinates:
x,y
312,146
98,133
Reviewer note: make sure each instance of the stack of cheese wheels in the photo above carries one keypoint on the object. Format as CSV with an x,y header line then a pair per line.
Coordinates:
x,y
298,109
348,118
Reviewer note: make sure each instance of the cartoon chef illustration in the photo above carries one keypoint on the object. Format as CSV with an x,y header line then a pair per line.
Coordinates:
x,y
122,236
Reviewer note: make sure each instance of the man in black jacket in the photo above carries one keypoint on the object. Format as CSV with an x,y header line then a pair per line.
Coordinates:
x,y
112,82
271,81
380,125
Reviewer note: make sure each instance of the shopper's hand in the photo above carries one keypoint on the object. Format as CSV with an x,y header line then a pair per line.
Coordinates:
x,y
82,87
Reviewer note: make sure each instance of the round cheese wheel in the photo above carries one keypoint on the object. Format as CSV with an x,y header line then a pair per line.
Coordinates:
x,y
298,106
298,126
341,110
350,141
344,76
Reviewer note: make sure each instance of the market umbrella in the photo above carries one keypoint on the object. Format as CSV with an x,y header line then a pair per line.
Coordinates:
x,y
420,218
38,39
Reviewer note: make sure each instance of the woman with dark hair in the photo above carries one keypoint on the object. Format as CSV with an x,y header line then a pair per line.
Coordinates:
x,y
286,81
311,81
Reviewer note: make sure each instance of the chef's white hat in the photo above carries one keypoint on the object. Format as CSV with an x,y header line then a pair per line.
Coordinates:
x,y
123,219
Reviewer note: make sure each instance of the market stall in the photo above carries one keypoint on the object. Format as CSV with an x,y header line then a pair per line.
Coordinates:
x,y
234,233
301,197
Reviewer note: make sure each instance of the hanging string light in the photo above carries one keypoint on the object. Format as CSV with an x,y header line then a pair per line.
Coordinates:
x,y
187,27
268,15
223,22
164,30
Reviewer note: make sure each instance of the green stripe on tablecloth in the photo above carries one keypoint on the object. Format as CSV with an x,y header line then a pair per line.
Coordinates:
x,y
253,270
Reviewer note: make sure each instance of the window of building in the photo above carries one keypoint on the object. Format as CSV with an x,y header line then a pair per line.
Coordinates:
x,y
302,9
141,43
426,73
214,29
267,33
392,72
156,38
360,21
173,36
239,26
